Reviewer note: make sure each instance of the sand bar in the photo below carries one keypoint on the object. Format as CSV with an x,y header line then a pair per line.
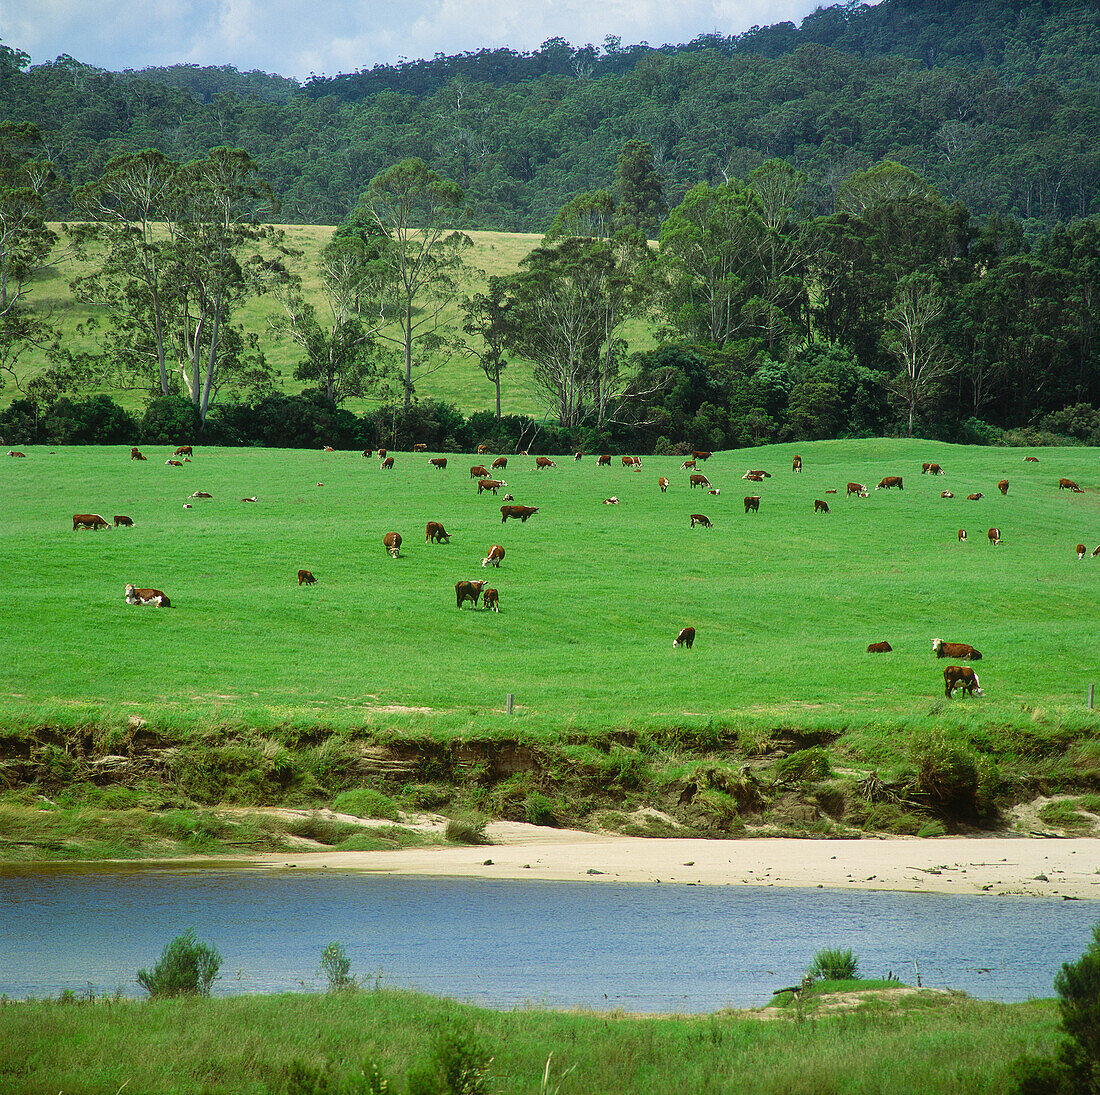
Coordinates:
x,y
1055,868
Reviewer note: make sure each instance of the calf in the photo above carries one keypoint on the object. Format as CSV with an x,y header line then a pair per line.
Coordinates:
x,y
858,489
1069,484
700,454
960,676
879,648
698,480
700,519
821,506
962,535
438,462
202,494
496,553
482,450
752,503
522,512
577,455
381,454
663,484
386,464
796,463
174,463
136,454
252,498
392,543
328,448
88,520
1081,549
994,535
12,452
955,650
753,477
491,599
975,497
184,450
688,465
468,591
499,462
146,597
418,447
121,520
1002,486
891,481
509,498
714,490
612,501
604,459
1031,460
436,534
490,484
478,471
544,462
685,638
946,494
305,578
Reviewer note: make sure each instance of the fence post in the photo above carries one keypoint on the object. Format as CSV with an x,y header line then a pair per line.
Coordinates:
x,y
511,700
1092,692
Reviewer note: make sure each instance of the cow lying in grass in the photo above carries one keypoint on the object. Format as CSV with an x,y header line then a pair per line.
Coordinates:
x,y
955,650
156,597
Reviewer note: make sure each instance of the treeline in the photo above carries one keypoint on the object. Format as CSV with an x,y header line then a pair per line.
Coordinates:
x,y
996,104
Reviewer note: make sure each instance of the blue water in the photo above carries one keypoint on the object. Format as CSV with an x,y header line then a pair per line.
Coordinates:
x,y
647,948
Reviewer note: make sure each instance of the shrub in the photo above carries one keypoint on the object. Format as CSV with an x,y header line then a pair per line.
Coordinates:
x,y
947,773
458,1065
96,421
336,966
170,420
365,802
539,810
187,967
805,766
467,830
833,964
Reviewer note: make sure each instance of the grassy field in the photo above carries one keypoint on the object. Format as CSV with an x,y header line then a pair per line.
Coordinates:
x,y
457,379
304,1043
784,601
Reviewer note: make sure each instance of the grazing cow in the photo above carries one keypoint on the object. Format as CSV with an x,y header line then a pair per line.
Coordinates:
x,y
436,534
12,452
924,468
858,489
612,501
962,535
491,599
386,463
994,535
418,447
935,469
975,497
522,512
478,471
136,454
752,503
1002,486
490,484
632,461
688,465
184,450
1069,484
544,462
577,455
368,452
602,460
88,520
685,638
946,494
381,454
328,448
522,452
891,481
663,484
392,543
821,506
1096,552
699,480
1081,549
482,450
700,454
146,597
1031,460
499,462
174,463
879,648
700,519
796,463
305,578
496,553
960,676
955,650
122,521
438,462
468,591
202,494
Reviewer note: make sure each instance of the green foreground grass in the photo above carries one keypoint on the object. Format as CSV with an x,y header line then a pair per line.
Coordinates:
x,y
318,1043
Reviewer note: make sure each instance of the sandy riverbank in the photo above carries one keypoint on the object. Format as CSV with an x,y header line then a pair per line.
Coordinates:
x,y
1068,868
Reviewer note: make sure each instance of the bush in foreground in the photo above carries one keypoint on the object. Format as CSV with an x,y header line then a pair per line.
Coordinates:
x,y
187,967
833,964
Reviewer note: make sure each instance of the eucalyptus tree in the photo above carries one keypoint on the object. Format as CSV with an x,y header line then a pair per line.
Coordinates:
x,y
488,317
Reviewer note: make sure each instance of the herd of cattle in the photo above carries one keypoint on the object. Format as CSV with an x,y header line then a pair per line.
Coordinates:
x,y
955,676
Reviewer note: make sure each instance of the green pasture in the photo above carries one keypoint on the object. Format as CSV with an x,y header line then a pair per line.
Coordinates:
x,y
784,601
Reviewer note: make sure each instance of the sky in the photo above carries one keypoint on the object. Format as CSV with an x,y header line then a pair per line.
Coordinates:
x,y
299,37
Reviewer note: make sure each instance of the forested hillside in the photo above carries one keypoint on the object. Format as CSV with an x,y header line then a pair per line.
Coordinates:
x,y
996,104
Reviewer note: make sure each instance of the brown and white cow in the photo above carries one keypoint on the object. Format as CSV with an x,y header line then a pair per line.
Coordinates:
x,y
962,535
136,454
202,494
955,650
858,489
122,521
700,454
632,461
381,454
499,462
544,462
1096,552
796,463
1002,486
328,448
663,484
946,494
12,452
509,498
685,638
688,465
756,473
879,648
753,477
156,597
752,503
468,591
821,506
994,535
251,498
612,501
960,676
931,469
700,519
438,462
392,543
1081,549
482,450
1031,460
88,520
578,455
889,482
1069,484
522,512
496,553
436,534
605,459
479,471
977,497
491,599
174,463
305,578
420,447
386,464
490,484
698,480
184,450
715,490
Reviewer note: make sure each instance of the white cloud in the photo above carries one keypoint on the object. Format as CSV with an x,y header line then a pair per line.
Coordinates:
x,y
294,38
